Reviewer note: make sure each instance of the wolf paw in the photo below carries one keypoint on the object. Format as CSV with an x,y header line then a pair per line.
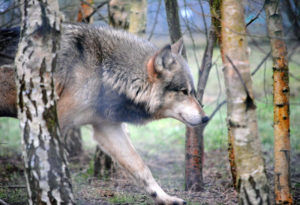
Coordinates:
x,y
171,201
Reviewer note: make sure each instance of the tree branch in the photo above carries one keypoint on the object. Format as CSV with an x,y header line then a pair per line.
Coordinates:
x,y
206,63
261,63
293,76
249,101
238,73
95,9
256,16
217,109
204,20
155,20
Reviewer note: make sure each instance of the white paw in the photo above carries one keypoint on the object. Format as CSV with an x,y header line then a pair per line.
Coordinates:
x,y
169,200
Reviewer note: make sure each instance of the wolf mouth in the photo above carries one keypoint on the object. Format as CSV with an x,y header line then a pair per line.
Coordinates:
x,y
187,122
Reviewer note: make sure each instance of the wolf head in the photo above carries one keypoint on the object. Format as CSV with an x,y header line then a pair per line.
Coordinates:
x,y
169,73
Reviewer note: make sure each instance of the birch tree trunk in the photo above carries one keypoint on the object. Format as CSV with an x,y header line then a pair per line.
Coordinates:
x,y
47,176
281,104
216,17
138,17
251,179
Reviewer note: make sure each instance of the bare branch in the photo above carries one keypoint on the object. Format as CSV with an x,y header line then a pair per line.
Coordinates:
x,y
204,20
95,10
186,22
249,101
206,63
239,74
261,63
155,20
293,76
217,109
256,16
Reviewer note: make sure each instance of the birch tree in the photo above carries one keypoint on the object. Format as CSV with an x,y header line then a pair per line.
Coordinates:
x,y
251,181
47,176
281,104
138,17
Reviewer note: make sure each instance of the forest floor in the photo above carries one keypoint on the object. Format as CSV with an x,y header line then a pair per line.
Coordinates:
x,y
167,167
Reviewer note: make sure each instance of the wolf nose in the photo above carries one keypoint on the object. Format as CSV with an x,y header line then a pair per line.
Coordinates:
x,y
205,119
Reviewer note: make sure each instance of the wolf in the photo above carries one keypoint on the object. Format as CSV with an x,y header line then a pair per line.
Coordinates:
x,y
105,78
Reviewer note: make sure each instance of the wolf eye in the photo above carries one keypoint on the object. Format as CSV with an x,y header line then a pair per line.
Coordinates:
x,y
184,91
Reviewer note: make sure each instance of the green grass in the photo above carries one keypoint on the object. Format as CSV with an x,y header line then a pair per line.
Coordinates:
x,y
10,139
14,196
122,198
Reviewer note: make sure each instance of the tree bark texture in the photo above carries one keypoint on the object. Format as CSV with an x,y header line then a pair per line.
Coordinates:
x,y
194,158
73,143
138,17
85,11
194,135
251,179
47,175
281,104
215,10
174,22
103,162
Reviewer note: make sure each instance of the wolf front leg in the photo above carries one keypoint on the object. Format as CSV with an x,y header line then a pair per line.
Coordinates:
x,y
113,139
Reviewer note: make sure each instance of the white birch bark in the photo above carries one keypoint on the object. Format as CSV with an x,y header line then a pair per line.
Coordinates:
x,y
251,179
48,180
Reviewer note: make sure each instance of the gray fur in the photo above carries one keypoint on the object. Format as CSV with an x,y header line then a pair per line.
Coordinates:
x,y
105,77
117,60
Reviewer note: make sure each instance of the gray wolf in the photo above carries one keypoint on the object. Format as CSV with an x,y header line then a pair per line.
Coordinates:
x,y
105,77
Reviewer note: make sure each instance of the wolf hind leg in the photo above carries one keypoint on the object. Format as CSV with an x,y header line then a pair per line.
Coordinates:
x,y
113,139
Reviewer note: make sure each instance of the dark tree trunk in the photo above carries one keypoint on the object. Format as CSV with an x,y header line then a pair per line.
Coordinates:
x,y
104,164
174,22
47,175
194,135
73,143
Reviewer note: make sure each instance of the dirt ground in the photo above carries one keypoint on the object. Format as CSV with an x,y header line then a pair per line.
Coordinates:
x,y
167,168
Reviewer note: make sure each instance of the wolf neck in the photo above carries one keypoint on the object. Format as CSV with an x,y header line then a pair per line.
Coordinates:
x,y
129,76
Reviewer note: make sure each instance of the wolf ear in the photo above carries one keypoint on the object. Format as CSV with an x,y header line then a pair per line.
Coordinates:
x,y
159,62
178,46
